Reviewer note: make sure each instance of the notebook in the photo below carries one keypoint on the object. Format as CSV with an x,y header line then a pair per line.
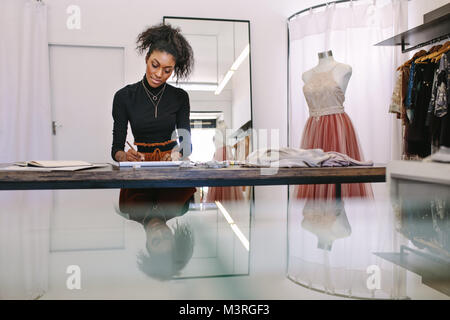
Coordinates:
x,y
53,163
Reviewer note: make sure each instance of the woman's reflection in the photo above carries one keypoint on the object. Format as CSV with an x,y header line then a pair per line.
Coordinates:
x,y
169,246
327,220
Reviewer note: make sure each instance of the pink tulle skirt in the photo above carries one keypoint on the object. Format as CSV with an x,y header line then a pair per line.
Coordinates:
x,y
334,132
224,193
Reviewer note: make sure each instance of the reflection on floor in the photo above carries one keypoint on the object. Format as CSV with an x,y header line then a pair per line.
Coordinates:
x,y
74,245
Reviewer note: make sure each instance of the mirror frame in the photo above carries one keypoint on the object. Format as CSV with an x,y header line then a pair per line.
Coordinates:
x,y
245,127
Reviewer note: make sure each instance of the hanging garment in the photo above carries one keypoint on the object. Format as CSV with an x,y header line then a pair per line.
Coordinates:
x,y
405,77
409,90
329,128
399,94
396,99
442,92
417,135
438,116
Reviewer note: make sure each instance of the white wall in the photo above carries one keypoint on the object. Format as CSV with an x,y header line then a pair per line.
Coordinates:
x,y
417,8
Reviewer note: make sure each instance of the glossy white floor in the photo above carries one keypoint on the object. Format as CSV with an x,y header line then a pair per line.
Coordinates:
x,y
84,230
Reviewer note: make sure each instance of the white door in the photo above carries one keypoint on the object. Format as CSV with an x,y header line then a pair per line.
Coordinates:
x,y
83,82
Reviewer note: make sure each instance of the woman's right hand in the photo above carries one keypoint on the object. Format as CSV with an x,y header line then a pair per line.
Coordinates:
x,y
133,155
130,155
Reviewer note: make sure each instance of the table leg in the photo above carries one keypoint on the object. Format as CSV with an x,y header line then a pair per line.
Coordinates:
x,y
338,191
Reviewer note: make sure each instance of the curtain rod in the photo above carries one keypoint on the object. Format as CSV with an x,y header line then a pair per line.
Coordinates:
x,y
323,5
319,6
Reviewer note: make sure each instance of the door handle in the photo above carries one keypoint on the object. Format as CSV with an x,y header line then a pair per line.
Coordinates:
x,y
54,126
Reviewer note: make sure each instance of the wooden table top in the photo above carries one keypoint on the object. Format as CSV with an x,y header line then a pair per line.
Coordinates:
x,y
169,177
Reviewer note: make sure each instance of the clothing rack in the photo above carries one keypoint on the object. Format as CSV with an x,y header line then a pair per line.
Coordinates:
x,y
426,43
326,4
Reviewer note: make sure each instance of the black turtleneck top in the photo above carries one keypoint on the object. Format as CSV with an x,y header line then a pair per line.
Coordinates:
x,y
132,104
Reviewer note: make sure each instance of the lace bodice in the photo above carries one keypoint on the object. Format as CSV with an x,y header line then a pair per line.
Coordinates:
x,y
323,94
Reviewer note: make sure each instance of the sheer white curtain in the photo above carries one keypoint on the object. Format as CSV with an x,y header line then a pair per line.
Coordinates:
x,y
350,30
25,133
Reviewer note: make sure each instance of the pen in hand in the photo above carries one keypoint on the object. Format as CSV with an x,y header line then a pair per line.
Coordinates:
x,y
135,152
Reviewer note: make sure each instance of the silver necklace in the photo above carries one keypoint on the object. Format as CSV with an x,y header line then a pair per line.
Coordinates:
x,y
154,96
153,100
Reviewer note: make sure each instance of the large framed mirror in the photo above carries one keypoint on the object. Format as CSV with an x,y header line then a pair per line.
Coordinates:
x,y
221,122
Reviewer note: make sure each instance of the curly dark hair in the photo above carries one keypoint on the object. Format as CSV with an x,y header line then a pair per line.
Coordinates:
x,y
165,38
165,265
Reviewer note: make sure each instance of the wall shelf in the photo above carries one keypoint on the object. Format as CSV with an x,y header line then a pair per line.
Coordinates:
x,y
423,35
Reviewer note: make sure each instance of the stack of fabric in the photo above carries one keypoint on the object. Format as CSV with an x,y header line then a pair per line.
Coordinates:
x,y
292,157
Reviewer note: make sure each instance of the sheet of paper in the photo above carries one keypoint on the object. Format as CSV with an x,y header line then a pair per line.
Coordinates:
x,y
150,164
23,168
53,163
72,168
58,163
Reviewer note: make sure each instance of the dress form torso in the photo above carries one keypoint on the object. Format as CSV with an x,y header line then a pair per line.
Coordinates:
x,y
325,86
341,72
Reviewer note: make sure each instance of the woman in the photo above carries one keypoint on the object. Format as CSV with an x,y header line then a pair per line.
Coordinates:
x,y
154,110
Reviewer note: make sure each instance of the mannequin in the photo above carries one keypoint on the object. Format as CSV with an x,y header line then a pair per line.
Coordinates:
x,y
341,72
329,127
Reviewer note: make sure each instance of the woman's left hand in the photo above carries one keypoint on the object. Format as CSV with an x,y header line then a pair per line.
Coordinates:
x,y
174,156
166,157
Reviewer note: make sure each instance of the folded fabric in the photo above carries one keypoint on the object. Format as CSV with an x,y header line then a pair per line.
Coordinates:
x,y
292,157
443,155
342,160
